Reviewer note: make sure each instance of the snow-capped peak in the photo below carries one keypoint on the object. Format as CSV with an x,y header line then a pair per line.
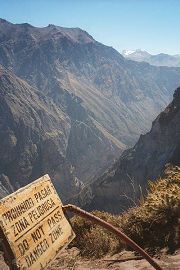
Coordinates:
x,y
127,52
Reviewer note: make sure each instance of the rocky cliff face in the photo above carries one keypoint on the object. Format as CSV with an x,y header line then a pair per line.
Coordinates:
x,y
121,185
38,137
122,97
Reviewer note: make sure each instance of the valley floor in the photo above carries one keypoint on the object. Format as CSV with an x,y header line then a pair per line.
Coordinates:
x,y
70,260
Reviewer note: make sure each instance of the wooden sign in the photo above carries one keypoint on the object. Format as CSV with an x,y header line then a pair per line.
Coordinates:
x,y
34,224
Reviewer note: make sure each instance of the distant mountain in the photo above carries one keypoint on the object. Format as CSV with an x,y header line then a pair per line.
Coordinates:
x,y
137,55
122,184
106,102
161,59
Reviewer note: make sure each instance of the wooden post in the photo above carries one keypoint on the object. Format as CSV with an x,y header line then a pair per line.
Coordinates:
x,y
109,227
8,255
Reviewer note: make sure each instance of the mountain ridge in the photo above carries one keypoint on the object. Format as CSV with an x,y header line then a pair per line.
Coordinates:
x,y
75,34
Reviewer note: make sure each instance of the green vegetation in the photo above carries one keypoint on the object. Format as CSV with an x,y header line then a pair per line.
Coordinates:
x,y
154,224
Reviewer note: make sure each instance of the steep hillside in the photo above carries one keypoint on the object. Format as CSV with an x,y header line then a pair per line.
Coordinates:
x,y
38,137
122,96
122,184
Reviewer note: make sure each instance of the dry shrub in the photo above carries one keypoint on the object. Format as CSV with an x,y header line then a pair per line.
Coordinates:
x,y
91,239
155,224
96,242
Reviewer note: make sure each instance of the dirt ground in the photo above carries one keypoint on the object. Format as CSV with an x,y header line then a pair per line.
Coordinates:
x,y
70,260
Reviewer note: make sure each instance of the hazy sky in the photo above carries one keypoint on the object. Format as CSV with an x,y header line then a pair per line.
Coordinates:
x,y
152,25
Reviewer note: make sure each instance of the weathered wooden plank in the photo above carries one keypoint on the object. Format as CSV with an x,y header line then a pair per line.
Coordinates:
x,y
34,224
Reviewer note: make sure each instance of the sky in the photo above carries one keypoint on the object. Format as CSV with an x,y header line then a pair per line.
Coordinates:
x,y
151,25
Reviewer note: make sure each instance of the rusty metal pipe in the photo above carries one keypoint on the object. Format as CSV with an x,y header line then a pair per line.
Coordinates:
x,y
109,227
